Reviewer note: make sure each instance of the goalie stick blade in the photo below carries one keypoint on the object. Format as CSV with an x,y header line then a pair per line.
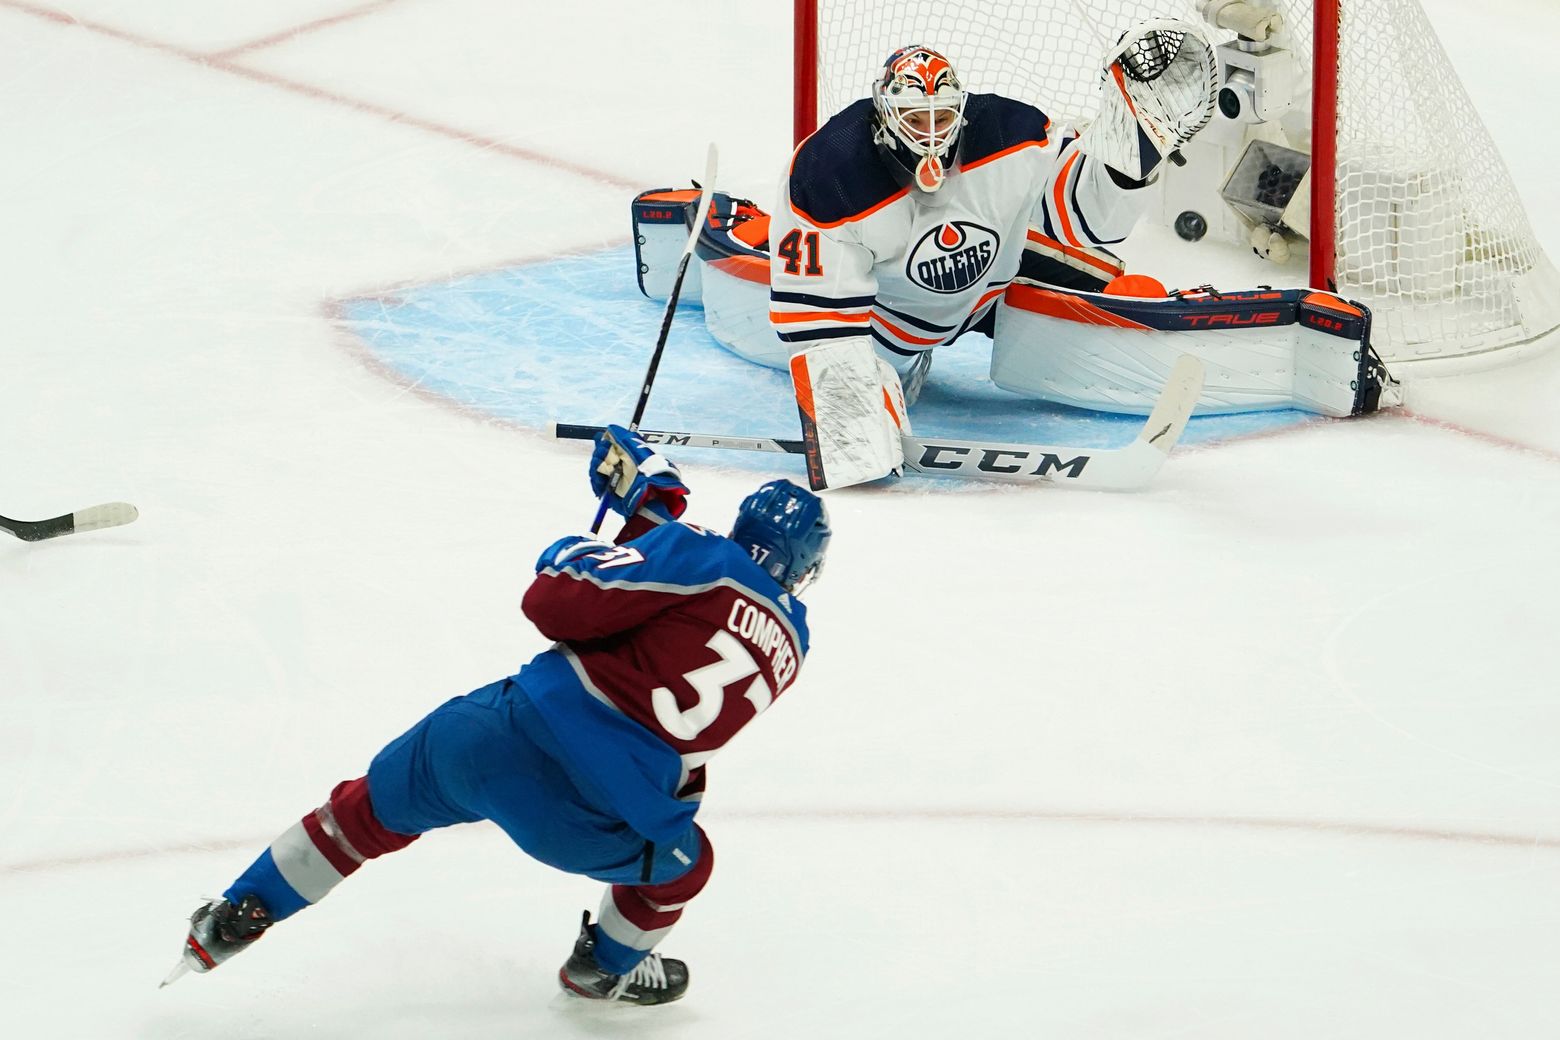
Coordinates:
x,y
1168,420
92,518
1098,469
1105,469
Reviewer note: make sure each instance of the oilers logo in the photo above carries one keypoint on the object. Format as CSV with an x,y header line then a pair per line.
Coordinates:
x,y
952,257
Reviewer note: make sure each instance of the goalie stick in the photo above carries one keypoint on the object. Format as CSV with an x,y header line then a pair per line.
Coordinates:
x,y
706,197
93,518
1110,469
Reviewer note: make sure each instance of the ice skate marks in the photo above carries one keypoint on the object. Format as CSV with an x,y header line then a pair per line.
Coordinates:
x,y
567,340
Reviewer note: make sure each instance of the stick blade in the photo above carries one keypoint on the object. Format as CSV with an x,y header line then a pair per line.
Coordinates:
x,y
109,514
1168,420
1135,466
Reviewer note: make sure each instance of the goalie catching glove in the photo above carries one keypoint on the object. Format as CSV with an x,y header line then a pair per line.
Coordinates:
x,y
635,478
1161,83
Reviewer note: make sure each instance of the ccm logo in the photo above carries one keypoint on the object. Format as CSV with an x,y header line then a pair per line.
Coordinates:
x,y
994,460
1228,320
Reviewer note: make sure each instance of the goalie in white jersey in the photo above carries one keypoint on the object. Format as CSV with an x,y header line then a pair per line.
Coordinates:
x,y
903,219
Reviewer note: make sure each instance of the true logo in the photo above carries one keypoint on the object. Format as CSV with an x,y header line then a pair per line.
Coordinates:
x,y
952,257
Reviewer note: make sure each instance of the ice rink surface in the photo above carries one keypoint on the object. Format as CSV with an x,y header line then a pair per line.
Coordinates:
x,y
1268,750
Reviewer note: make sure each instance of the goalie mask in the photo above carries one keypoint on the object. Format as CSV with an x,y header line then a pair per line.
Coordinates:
x,y
918,104
785,529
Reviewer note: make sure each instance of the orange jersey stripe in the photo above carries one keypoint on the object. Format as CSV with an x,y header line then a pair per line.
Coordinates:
x,y
1077,254
905,336
863,215
1007,151
990,295
1061,206
792,317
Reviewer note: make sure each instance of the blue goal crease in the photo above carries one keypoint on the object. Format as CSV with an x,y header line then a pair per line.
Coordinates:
x,y
568,340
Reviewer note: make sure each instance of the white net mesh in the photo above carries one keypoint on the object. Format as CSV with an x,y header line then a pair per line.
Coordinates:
x,y
1430,230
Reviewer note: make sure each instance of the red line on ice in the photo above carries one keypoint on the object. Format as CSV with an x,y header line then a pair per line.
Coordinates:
x,y
384,112
1479,435
286,35
952,815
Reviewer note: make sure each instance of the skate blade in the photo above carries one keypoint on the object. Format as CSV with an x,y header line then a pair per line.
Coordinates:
x,y
177,973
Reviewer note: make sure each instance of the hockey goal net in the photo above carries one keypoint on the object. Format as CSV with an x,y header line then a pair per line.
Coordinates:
x,y
1407,204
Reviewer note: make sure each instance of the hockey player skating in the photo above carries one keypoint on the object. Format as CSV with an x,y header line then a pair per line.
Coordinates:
x,y
592,757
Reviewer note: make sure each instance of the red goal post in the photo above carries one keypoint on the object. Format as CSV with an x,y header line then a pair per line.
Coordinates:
x,y
1408,206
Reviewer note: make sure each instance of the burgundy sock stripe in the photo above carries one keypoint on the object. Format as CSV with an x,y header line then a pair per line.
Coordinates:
x,y
639,913
343,861
353,813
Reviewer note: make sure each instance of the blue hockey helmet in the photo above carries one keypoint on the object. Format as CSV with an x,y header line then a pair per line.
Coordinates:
x,y
785,528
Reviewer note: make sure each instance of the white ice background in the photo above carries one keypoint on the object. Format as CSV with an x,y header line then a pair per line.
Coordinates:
x,y
1269,750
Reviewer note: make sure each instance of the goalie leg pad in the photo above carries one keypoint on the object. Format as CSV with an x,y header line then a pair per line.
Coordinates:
x,y
1264,349
662,218
853,413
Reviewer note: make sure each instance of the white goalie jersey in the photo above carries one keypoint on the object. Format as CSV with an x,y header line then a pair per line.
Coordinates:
x,y
854,254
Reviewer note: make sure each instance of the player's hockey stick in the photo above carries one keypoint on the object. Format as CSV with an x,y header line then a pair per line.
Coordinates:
x,y
1112,469
706,197
110,514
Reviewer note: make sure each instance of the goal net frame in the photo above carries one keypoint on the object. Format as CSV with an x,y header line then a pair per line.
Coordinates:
x,y
1435,287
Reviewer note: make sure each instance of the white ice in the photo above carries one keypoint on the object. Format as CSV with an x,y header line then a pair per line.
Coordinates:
x,y
1266,751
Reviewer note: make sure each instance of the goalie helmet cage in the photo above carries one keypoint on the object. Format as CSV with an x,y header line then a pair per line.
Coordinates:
x,y
1412,209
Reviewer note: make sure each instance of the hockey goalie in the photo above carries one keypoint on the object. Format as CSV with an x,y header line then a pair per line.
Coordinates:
x,y
926,213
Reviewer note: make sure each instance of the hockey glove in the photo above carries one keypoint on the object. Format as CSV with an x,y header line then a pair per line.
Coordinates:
x,y
634,476
1161,86
569,547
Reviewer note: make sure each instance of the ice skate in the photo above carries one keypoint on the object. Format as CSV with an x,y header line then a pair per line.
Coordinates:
x,y
654,980
219,930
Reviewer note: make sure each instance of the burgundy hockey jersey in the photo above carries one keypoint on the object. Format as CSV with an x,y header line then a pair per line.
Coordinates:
x,y
668,645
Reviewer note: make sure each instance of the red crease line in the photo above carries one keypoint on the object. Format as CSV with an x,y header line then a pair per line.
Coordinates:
x,y
1480,435
1341,828
286,35
390,115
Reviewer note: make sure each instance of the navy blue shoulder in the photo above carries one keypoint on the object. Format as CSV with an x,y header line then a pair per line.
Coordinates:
x,y
693,556
837,173
685,554
996,123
